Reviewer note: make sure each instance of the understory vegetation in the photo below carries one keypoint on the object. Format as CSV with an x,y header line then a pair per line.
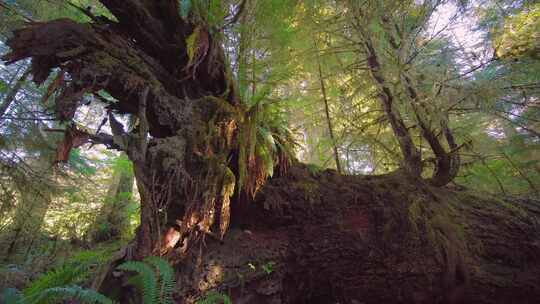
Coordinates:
x,y
269,151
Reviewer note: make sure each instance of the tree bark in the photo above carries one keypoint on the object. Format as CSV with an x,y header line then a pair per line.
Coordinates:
x,y
446,163
412,160
182,94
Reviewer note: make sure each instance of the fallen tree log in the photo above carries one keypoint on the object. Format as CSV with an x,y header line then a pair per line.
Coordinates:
x,y
307,237
325,238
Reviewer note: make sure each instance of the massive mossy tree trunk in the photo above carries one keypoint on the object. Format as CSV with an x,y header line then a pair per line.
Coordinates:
x,y
345,239
181,94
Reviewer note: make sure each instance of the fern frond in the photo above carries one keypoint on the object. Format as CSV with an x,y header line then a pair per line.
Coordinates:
x,y
58,277
56,294
166,278
267,138
266,160
147,277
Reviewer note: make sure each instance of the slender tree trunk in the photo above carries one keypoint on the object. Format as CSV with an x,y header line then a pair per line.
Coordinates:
x,y
411,155
327,113
446,163
396,41
244,43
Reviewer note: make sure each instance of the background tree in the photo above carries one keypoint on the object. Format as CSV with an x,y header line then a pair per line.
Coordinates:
x,y
113,221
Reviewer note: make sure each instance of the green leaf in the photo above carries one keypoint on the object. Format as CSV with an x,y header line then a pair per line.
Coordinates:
x,y
57,294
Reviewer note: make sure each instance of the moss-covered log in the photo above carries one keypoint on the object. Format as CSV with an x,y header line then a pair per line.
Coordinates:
x,y
318,237
307,237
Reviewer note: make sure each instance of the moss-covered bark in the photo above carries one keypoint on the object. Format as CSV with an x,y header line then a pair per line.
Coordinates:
x,y
182,168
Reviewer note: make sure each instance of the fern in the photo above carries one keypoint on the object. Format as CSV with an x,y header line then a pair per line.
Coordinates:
x,y
58,277
314,169
75,270
147,278
166,278
267,162
155,278
90,258
215,297
58,284
55,295
58,294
